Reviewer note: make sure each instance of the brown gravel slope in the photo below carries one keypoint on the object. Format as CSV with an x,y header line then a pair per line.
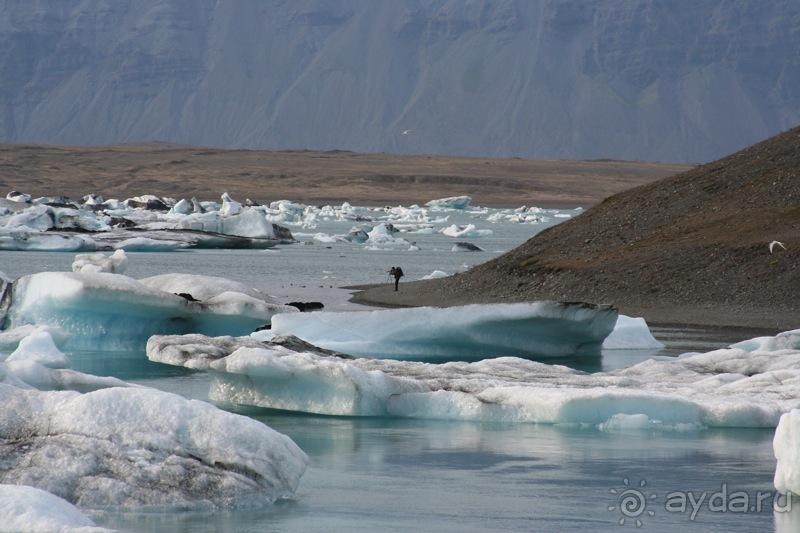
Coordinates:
x,y
314,177
690,249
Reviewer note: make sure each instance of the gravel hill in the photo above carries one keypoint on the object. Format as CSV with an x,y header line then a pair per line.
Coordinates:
x,y
690,249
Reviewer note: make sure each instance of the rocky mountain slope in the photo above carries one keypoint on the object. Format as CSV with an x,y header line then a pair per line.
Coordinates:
x,y
554,79
692,248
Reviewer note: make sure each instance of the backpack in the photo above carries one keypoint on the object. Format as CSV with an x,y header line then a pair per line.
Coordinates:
x,y
398,272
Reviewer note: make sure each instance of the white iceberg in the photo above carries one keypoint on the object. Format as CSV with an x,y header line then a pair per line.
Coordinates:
x,y
46,242
722,388
30,510
114,263
453,202
472,332
104,311
631,334
11,338
128,446
469,231
786,445
436,274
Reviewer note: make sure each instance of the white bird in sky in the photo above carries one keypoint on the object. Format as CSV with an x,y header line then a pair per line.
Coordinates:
x,y
773,244
406,132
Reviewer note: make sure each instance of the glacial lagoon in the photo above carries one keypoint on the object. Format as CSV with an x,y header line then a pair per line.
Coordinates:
x,y
401,474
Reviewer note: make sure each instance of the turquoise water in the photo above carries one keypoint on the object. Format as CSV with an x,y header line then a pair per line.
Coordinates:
x,y
394,474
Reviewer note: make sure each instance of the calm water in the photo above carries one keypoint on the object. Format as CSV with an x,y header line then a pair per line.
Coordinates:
x,y
394,474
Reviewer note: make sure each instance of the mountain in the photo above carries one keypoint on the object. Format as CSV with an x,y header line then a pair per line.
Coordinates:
x,y
692,248
556,79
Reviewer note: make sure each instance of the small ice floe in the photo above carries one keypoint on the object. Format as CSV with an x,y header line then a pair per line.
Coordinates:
x,y
466,247
436,274
723,388
465,232
11,338
114,263
631,334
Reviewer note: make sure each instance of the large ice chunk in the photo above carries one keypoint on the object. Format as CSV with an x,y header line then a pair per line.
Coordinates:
x,y
722,388
134,447
129,446
104,311
786,445
472,332
28,509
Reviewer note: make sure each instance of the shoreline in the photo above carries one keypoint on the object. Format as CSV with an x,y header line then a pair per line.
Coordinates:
x,y
749,321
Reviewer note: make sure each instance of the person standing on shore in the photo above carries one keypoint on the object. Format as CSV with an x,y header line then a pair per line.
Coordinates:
x,y
397,272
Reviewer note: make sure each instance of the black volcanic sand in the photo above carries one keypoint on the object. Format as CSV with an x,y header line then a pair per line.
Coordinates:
x,y
687,250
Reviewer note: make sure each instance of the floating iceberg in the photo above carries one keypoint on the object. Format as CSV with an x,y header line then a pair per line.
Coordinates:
x,y
130,446
114,263
454,202
722,388
786,445
631,334
104,311
144,223
28,509
469,231
472,332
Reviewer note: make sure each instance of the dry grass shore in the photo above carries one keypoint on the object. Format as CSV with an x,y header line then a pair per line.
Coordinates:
x,y
314,178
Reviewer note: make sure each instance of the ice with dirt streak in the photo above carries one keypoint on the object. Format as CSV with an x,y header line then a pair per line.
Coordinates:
x,y
730,387
98,442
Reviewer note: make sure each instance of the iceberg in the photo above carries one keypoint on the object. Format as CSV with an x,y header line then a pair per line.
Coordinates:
x,y
469,231
143,223
28,509
786,445
723,388
104,311
114,263
453,202
472,332
631,333
100,442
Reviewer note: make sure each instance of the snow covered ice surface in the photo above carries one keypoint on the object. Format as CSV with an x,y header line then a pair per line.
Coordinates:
x,y
28,509
114,312
471,332
722,388
98,442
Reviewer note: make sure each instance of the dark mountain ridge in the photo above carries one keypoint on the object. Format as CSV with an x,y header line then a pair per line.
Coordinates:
x,y
550,79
